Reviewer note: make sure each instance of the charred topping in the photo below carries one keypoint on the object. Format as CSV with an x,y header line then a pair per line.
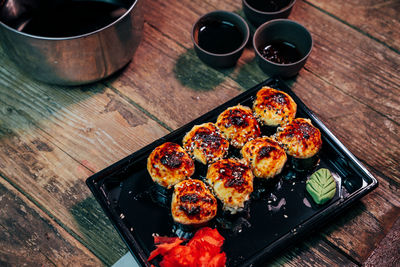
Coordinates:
x,y
272,98
307,130
233,174
265,152
190,211
244,125
208,138
172,157
195,200
169,164
273,101
190,186
190,198
280,98
238,118
303,131
263,147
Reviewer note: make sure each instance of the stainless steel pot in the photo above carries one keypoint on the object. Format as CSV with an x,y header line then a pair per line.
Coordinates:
x,y
72,60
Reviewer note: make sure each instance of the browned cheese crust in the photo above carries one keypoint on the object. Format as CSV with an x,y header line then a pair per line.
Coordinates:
x,y
205,143
232,182
273,107
192,203
169,164
238,125
300,138
265,157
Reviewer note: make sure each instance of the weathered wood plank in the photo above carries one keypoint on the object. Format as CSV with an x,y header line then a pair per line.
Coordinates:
x,y
91,117
359,230
52,138
55,181
388,252
28,237
174,87
367,134
358,66
374,146
312,252
379,19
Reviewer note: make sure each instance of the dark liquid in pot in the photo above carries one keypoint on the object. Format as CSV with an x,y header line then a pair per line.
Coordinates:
x,y
72,18
219,36
268,5
280,52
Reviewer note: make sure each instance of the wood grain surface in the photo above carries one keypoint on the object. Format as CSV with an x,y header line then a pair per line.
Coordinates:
x,y
49,150
52,138
29,237
376,19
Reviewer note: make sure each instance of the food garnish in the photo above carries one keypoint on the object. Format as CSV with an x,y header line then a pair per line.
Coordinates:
x,y
321,186
203,250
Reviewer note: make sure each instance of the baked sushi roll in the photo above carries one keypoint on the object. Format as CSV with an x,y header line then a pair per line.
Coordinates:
x,y
232,183
273,107
205,143
264,156
168,164
192,203
238,125
302,141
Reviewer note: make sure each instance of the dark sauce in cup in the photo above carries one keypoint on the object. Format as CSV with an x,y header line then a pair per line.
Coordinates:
x,y
268,5
71,18
280,52
219,36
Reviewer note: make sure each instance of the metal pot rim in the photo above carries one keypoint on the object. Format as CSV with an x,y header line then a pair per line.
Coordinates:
x,y
70,37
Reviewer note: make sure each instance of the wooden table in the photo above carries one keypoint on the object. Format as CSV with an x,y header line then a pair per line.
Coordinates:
x,y
52,138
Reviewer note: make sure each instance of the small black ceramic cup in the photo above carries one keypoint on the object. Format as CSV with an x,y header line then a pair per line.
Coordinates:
x,y
258,12
282,30
220,51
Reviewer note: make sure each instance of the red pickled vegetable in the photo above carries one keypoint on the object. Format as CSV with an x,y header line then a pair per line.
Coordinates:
x,y
203,250
163,248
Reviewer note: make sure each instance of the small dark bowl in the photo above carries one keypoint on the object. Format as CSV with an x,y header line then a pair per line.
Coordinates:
x,y
258,17
220,60
282,30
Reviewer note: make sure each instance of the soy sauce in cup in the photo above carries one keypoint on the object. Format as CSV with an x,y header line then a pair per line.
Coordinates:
x,y
219,36
268,5
281,52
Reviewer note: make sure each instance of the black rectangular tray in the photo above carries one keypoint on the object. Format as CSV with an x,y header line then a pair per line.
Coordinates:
x,y
282,215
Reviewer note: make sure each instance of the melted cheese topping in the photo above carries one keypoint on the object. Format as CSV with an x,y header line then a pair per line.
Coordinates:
x,y
273,107
238,125
232,182
300,138
205,143
265,157
169,164
192,203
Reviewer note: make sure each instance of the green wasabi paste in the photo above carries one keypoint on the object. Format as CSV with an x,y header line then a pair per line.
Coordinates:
x,y
321,186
